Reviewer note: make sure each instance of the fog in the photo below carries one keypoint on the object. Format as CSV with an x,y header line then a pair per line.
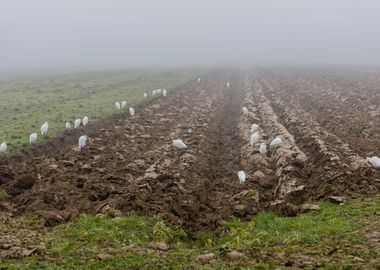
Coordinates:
x,y
112,34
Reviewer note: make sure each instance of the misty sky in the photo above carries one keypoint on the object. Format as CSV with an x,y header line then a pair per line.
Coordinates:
x,y
103,34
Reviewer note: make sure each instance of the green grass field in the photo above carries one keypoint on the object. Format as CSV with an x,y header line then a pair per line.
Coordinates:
x,y
334,237
25,104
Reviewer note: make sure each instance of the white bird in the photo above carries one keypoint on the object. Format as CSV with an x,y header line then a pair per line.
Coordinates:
x,y
276,141
123,104
245,111
153,92
131,111
374,161
68,126
145,95
254,127
179,144
117,105
77,123
85,121
199,80
228,84
263,149
44,128
82,141
3,147
32,138
241,175
255,138
164,92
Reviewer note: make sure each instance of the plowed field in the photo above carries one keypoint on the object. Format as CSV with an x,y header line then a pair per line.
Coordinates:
x,y
328,123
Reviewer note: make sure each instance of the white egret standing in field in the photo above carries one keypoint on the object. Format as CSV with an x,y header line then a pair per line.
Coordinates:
x,y
276,141
77,123
179,144
123,104
82,141
255,138
32,138
241,175
44,128
254,127
85,121
164,92
68,126
153,92
145,95
117,105
228,84
263,149
245,111
3,147
131,111
199,80
374,161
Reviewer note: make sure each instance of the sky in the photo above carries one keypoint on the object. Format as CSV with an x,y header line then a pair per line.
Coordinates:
x,y
113,34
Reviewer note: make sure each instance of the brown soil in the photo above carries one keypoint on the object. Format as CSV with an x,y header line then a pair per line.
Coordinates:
x,y
129,163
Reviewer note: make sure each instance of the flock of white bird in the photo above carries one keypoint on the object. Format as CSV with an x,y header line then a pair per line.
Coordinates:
x,y
157,92
254,139
82,139
178,143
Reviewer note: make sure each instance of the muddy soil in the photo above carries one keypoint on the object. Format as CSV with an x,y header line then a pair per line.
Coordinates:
x,y
337,168
129,163
344,102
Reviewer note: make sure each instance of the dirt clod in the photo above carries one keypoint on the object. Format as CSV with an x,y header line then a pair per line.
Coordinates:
x,y
103,256
21,184
337,199
163,246
309,207
205,258
234,255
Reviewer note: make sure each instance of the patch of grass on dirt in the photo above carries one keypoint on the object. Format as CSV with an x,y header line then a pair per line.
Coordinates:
x,y
92,234
335,237
30,219
355,130
4,196
26,104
